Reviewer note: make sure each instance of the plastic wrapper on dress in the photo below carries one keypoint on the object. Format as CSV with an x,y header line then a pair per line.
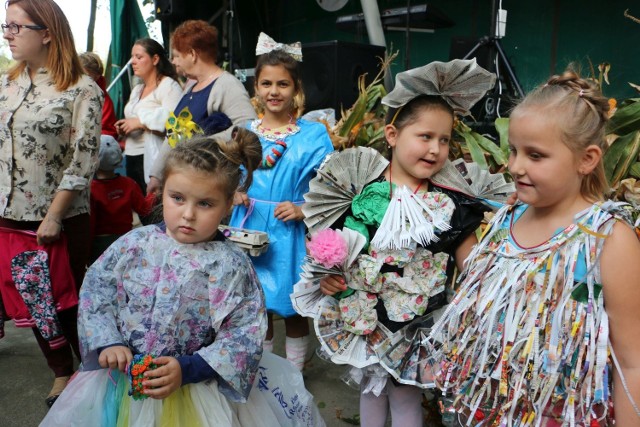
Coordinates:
x,y
405,357
278,267
342,345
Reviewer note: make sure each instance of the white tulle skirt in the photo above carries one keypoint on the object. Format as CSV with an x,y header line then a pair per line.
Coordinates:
x,y
99,398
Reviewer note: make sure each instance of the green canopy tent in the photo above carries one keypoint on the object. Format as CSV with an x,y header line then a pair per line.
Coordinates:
x,y
127,26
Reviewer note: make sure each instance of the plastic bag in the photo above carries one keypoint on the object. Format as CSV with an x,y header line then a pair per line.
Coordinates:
x,y
280,385
328,115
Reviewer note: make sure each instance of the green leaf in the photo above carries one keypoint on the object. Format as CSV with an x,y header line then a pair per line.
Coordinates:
x,y
477,155
634,170
613,155
356,115
629,145
502,126
375,94
321,405
355,420
490,147
626,119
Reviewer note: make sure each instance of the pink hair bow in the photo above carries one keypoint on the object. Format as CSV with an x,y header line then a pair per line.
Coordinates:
x,y
266,44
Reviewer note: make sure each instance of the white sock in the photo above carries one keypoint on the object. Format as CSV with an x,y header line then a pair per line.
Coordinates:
x,y
374,409
267,345
297,350
405,402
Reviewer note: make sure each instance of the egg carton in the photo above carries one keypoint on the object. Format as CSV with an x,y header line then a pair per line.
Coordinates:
x,y
253,241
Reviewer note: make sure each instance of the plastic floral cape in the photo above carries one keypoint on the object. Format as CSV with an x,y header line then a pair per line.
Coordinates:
x,y
164,298
526,335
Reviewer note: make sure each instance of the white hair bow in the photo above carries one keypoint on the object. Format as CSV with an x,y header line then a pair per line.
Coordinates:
x,y
266,44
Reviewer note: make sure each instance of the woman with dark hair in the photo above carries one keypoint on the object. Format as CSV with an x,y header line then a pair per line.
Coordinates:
x,y
148,108
50,116
214,97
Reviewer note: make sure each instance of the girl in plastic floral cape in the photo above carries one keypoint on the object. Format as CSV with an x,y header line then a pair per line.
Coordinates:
x,y
383,234
541,325
172,315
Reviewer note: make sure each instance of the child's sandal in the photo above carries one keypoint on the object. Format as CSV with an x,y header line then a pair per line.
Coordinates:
x,y
59,385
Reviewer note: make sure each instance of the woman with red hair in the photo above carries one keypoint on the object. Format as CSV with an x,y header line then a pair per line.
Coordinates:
x,y
216,99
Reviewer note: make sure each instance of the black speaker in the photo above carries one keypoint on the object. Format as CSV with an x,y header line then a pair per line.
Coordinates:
x,y
330,72
168,8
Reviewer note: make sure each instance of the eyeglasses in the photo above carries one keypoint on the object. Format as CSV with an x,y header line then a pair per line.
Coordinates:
x,y
15,28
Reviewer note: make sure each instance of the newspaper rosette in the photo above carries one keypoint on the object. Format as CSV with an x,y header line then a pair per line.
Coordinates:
x,y
472,180
339,179
307,295
461,83
342,325
182,127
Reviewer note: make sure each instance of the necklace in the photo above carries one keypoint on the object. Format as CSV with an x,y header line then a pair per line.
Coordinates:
x,y
211,76
391,184
277,136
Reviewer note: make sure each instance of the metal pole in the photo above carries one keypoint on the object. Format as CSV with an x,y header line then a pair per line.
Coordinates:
x,y
375,32
120,74
230,12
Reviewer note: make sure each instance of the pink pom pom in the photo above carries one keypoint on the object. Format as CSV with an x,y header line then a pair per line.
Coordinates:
x,y
327,247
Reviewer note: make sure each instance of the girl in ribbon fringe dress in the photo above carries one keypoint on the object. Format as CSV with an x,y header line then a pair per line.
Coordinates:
x,y
540,332
292,150
396,282
187,301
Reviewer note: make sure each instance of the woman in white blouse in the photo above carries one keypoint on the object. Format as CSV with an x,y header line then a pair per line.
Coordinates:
x,y
148,108
50,114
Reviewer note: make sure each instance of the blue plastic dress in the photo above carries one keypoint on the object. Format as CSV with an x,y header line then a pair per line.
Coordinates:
x,y
288,180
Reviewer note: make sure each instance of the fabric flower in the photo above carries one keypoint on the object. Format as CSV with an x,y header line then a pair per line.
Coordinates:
x,y
328,247
371,205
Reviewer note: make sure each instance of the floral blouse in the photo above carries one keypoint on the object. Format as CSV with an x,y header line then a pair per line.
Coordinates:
x,y
164,298
48,142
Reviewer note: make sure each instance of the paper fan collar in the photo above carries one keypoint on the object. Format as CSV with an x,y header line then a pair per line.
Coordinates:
x,y
461,83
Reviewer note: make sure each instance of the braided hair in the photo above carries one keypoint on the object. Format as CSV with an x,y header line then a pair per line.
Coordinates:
x,y
221,159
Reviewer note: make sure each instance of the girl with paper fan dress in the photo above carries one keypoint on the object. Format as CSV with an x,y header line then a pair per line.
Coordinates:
x,y
292,149
402,222
541,325
172,316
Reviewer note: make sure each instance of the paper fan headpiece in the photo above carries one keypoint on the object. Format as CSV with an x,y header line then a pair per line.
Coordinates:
x,y
461,83
266,44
